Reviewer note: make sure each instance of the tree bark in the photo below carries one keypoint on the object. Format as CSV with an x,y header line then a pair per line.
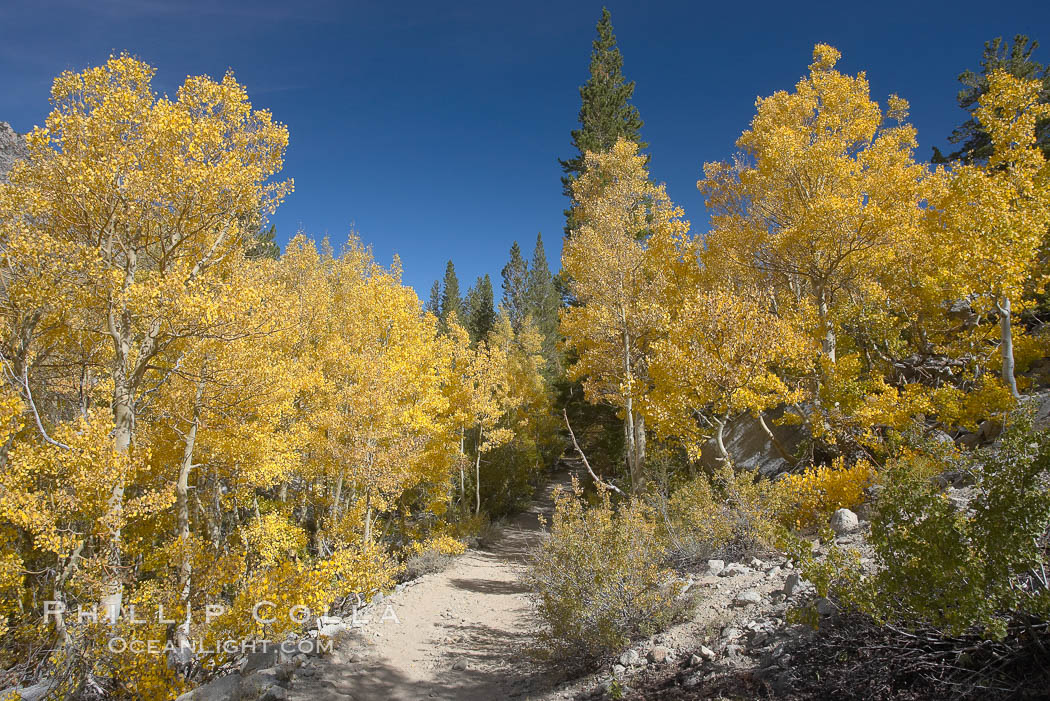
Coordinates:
x,y
828,342
477,473
720,424
634,428
773,439
1006,345
182,507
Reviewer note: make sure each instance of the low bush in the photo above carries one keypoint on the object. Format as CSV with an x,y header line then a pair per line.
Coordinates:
x,y
810,497
599,579
731,515
431,555
954,566
426,562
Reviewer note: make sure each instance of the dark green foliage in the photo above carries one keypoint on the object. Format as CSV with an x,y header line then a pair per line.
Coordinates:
x,y
606,112
515,287
433,303
451,303
543,304
480,309
1015,57
264,245
951,566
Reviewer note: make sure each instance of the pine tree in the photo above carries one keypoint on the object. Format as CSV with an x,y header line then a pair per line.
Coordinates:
x,y
450,299
606,113
433,304
480,309
1016,59
543,303
515,286
264,245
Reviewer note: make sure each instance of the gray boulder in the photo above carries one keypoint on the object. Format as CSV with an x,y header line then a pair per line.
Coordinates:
x,y
750,447
221,689
629,658
844,522
747,598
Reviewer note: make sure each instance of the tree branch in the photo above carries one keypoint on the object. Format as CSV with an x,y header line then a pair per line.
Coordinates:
x,y
596,478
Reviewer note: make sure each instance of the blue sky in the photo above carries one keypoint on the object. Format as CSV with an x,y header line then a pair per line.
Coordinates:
x,y
434,128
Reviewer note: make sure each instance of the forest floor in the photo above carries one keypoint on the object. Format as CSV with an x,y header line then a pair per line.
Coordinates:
x,y
458,634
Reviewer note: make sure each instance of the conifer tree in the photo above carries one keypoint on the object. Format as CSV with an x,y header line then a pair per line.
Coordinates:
x,y
975,144
433,304
264,245
543,303
606,113
515,286
451,303
480,309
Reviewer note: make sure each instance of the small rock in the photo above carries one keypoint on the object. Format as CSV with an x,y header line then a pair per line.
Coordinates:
x,y
989,430
791,583
747,598
459,665
715,567
332,631
692,681
618,670
274,693
629,658
734,650
377,598
263,658
844,521
773,573
757,564
826,607
695,660
658,654
731,633
707,653
735,569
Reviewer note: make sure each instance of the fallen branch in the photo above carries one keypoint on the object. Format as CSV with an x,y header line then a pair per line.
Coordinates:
x,y
596,478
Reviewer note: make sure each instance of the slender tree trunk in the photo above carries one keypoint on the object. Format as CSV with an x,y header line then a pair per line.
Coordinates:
x,y
1006,346
368,519
631,430
123,430
477,473
773,439
462,472
829,342
182,507
720,425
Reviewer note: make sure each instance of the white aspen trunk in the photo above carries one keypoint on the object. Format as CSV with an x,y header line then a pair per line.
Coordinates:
x,y
368,519
182,504
829,342
773,439
634,465
1006,346
720,423
462,472
477,473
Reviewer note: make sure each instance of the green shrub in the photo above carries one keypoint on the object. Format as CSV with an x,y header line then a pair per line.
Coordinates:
x,y
598,578
732,515
952,568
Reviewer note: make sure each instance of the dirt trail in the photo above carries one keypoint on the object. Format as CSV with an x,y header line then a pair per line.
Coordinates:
x,y
459,634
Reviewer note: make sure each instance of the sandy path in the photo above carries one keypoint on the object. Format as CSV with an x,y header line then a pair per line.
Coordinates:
x,y
459,634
